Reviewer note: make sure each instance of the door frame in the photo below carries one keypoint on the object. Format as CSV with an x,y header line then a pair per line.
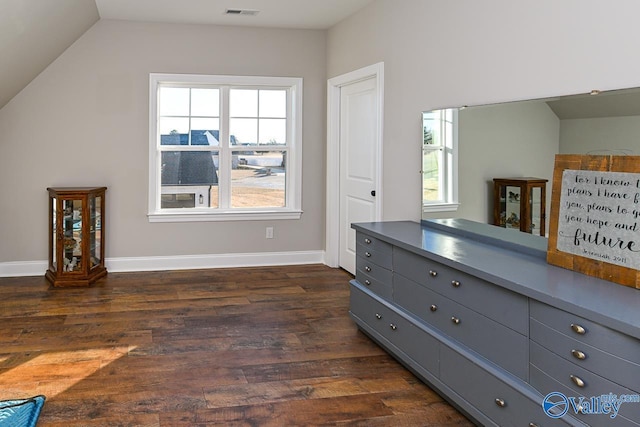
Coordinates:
x,y
332,222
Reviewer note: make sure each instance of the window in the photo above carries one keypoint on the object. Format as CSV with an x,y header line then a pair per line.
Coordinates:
x,y
224,147
439,160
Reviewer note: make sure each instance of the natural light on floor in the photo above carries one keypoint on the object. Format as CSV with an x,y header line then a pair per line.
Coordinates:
x,y
52,373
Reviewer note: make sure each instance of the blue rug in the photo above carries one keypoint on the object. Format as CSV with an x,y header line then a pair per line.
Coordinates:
x,y
20,412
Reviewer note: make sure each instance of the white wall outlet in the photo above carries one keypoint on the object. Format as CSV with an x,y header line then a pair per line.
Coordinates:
x,y
269,234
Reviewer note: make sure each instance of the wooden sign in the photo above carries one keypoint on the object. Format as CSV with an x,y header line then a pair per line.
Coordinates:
x,y
595,217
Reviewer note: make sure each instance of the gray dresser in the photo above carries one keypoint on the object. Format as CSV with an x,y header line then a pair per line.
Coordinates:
x,y
476,312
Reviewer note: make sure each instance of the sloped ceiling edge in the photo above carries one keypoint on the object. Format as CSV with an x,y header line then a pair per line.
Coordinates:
x,y
33,34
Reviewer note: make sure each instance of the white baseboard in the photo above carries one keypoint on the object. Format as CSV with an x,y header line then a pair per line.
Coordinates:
x,y
183,262
23,268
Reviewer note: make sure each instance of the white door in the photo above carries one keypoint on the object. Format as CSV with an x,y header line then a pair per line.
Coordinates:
x,y
358,163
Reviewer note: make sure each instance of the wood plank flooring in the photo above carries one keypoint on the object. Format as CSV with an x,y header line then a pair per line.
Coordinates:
x,y
231,347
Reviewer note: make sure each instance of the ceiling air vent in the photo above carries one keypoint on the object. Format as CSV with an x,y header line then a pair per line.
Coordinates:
x,y
246,12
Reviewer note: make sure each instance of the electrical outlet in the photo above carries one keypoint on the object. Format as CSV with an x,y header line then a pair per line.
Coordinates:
x,y
269,234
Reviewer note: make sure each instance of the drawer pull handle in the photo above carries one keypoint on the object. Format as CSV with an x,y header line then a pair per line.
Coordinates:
x,y
367,241
378,316
433,307
433,273
367,269
578,329
500,402
367,282
577,381
455,283
367,254
455,320
578,354
533,425
392,326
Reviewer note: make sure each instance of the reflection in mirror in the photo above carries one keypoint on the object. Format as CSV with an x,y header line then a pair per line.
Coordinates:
x,y
521,138
439,134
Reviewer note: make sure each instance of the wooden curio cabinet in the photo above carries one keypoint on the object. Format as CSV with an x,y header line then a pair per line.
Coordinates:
x,y
76,235
519,204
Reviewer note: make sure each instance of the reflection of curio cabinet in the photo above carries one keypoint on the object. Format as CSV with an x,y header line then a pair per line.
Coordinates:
x,y
519,203
76,236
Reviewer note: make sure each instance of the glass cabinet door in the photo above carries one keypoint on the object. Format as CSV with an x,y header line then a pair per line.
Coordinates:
x,y
536,211
95,231
509,206
512,206
72,234
53,207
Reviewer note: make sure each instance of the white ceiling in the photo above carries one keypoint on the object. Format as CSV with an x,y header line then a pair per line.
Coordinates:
x,y
304,14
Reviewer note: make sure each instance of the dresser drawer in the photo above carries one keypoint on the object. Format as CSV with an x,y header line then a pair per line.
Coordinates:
x,y
545,382
384,289
373,270
379,249
549,383
588,332
382,258
386,323
488,338
600,362
500,402
372,242
569,375
499,304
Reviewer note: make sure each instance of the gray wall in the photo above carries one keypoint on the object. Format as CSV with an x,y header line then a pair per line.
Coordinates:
x,y
503,141
440,54
84,121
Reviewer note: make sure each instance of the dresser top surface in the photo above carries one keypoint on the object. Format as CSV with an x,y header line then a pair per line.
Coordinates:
x,y
515,261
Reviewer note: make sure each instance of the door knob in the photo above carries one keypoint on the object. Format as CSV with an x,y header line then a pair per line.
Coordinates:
x,y
373,193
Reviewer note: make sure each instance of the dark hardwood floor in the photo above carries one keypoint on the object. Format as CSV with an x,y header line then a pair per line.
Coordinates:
x,y
233,347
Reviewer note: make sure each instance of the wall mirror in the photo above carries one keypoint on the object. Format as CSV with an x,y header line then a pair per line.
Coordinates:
x,y
521,138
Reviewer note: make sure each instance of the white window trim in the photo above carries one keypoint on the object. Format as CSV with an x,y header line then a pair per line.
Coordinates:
x,y
450,181
293,183
440,207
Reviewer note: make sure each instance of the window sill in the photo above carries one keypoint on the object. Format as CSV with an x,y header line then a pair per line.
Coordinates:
x,y
223,216
440,207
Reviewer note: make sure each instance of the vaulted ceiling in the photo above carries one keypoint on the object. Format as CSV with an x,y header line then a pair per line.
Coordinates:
x,y
33,33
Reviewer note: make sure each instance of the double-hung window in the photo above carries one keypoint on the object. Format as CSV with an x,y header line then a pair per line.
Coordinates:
x,y
224,147
439,160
